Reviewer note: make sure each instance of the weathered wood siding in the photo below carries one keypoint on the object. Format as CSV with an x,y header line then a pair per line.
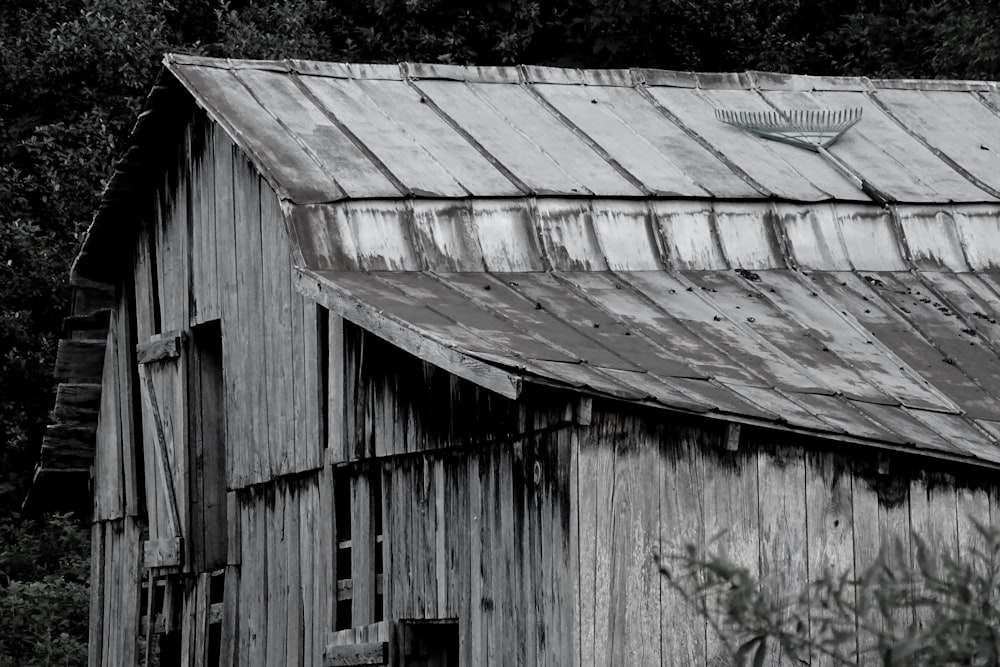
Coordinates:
x,y
790,508
115,584
213,246
475,503
283,607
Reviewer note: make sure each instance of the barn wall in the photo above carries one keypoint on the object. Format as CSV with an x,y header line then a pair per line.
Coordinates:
x,y
115,591
790,507
471,494
214,246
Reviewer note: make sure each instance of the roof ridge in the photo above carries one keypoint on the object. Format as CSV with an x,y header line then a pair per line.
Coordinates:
x,y
550,74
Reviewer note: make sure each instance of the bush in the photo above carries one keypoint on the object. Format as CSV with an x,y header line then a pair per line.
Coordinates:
x,y
953,607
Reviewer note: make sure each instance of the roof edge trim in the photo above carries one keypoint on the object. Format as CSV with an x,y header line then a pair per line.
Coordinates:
x,y
325,292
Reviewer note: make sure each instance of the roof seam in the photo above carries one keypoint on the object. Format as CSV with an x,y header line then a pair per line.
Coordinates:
x,y
361,146
593,145
288,130
704,143
962,171
465,134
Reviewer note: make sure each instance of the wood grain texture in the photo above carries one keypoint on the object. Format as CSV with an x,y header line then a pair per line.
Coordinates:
x,y
370,653
830,521
682,486
159,348
782,508
732,516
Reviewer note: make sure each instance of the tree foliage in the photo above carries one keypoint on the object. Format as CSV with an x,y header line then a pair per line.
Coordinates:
x,y
74,73
911,608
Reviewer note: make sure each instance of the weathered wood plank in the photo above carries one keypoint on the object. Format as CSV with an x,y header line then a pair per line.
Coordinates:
x,y
934,522
229,646
109,496
275,604
575,570
276,330
143,282
80,361
732,518
95,644
127,409
867,542
830,521
588,472
294,635
682,488
308,543
973,506
159,348
602,485
635,607
372,653
234,357
782,503
336,390
76,402
362,550
162,552
250,337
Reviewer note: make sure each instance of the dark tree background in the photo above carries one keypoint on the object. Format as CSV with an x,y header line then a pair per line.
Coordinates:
x,y
73,74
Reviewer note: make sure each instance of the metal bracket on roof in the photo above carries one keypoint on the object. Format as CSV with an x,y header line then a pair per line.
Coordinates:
x,y
811,129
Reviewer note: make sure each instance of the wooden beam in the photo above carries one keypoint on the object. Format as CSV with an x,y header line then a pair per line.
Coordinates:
x,y
406,336
372,653
159,347
76,402
162,553
732,437
80,361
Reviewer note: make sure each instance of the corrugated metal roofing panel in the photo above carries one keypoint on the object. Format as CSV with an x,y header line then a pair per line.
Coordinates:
x,y
747,236
508,145
869,238
408,108
787,171
813,236
625,235
521,110
313,130
931,238
595,112
292,171
670,144
956,125
980,235
883,153
411,162
689,236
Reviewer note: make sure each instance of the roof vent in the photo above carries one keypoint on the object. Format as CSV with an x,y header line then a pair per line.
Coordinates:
x,y
812,129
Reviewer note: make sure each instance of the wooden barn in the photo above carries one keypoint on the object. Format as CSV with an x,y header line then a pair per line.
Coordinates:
x,y
421,364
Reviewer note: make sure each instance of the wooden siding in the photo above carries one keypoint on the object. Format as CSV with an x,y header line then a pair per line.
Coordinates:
x,y
476,515
214,246
282,610
116,487
789,508
115,580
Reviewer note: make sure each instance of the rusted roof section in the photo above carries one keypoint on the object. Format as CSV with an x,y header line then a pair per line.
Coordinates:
x,y
845,320
326,132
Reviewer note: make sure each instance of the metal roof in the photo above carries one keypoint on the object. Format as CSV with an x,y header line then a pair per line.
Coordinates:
x,y
326,132
847,320
602,230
